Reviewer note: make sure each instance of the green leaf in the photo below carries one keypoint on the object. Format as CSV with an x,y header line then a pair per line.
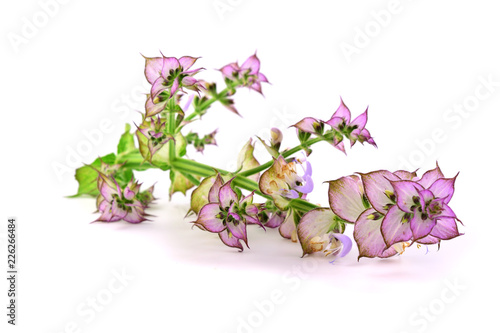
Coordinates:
x,y
126,143
87,176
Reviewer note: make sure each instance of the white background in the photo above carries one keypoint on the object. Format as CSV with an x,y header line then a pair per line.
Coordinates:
x,y
83,65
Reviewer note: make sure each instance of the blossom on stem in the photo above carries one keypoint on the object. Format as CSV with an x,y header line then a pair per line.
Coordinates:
x,y
154,131
170,74
200,143
115,203
399,209
341,126
281,180
246,75
227,215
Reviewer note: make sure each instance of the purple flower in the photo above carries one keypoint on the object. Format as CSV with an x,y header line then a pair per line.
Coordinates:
x,y
341,126
226,215
246,75
393,210
171,75
282,180
421,214
116,204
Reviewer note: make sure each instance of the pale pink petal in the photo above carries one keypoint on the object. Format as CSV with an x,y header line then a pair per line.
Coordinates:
x,y
213,194
309,125
227,196
153,68
360,122
117,211
340,146
128,194
238,230
276,219
230,240
169,63
175,87
153,109
395,228
420,227
186,62
430,177
262,78
158,87
446,228
406,194
378,188
429,240
288,226
135,216
443,188
252,63
346,198
343,112
369,238
188,81
207,218
406,175
230,71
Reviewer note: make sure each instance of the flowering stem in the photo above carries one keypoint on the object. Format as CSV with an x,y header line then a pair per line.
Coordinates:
x,y
285,154
206,104
195,168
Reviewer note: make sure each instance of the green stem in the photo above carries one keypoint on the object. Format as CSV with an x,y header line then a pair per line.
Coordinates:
x,y
171,130
195,168
206,104
191,178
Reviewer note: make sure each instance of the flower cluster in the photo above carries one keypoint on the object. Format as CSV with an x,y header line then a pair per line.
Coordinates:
x,y
115,203
227,214
246,75
391,211
154,132
341,126
170,74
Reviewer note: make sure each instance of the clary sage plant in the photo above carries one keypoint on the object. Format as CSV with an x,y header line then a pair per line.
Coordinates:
x,y
390,210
